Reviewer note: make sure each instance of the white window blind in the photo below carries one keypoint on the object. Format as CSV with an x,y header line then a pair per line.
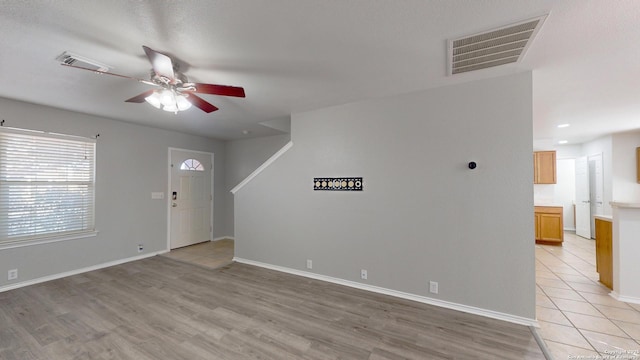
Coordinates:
x,y
47,185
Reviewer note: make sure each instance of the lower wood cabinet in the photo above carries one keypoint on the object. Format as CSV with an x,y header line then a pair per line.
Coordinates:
x,y
604,254
549,228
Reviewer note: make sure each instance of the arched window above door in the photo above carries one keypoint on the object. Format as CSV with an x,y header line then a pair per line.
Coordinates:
x,y
191,164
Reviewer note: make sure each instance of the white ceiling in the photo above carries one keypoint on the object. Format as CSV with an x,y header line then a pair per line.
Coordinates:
x,y
299,55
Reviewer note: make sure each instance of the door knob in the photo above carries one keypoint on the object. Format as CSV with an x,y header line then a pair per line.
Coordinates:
x,y
174,205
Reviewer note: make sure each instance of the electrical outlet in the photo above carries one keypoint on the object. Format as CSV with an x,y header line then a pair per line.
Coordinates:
x,y
433,287
309,264
363,274
12,274
140,248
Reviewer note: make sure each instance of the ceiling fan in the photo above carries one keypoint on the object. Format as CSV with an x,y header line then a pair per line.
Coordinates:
x,y
173,91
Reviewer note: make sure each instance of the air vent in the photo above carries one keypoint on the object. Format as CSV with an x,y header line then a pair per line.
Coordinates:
x,y
492,48
68,58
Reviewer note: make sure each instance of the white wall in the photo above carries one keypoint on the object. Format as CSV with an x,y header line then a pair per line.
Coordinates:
x,y
423,215
131,163
568,151
562,193
625,186
565,190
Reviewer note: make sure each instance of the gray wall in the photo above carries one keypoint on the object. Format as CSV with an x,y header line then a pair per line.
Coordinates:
x,y
423,215
242,158
131,163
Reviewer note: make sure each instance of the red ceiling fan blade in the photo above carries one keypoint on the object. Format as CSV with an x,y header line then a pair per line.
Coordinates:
x,y
223,90
140,98
110,73
201,103
161,63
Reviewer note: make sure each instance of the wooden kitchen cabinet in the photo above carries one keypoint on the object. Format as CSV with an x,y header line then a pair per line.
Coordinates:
x,y
604,253
548,225
544,167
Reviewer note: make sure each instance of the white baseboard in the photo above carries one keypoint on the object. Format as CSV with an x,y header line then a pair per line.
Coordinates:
x,y
78,271
376,289
224,238
629,299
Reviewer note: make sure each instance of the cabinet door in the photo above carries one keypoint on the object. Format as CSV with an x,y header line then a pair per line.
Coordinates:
x,y
536,225
551,227
604,254
544,167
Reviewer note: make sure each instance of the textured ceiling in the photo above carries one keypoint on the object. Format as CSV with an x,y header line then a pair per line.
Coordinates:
x,y
299,55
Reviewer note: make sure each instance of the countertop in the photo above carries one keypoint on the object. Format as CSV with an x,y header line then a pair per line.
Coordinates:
x,y
604,217
625,205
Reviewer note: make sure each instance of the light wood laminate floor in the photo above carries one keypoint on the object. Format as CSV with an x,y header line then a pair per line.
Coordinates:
x,y
160,308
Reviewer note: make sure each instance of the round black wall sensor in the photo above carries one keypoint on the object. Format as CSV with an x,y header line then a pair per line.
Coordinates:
x,y
472,165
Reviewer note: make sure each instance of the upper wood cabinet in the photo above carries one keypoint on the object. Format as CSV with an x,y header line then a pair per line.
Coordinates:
x,y
544,167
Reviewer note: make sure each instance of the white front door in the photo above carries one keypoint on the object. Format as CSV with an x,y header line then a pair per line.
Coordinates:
x,y
583,202
190,197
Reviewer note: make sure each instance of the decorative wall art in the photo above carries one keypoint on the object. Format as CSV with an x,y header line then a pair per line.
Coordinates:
x,y
338,184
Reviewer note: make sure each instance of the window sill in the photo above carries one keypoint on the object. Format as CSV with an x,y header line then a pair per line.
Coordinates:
x,y
47,240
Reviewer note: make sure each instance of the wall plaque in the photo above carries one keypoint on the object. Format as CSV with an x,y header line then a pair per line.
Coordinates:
x,y
338,184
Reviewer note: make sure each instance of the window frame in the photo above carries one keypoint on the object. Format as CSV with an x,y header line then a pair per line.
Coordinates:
x,y
194,165
50,237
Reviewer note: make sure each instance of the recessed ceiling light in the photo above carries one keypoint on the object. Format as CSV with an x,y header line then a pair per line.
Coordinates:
x,y
246,132
563,125
562,142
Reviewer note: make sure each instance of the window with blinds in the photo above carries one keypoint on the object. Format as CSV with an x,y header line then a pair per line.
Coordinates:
x,y
47,185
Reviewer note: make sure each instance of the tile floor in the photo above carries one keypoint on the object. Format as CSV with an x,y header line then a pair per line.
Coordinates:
x,y
211,254
577,317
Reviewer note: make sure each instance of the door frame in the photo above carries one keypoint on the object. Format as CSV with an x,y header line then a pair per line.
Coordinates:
x,y
168,204
579,202
598,158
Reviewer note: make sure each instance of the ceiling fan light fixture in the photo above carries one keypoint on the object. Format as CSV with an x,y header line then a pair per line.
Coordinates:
x,y
154,100
167,98
182,102
170,108
173,91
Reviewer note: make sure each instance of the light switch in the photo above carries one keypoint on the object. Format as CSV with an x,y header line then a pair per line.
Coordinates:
x,y
157,195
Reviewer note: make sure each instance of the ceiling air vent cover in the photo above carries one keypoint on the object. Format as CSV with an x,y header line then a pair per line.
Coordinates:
x,y
69,58
492,48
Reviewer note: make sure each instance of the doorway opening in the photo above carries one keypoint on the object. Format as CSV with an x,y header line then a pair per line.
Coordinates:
x,y
589,194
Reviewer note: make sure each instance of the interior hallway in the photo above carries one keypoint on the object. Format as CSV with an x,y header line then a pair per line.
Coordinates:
x,y
575,312
211,254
